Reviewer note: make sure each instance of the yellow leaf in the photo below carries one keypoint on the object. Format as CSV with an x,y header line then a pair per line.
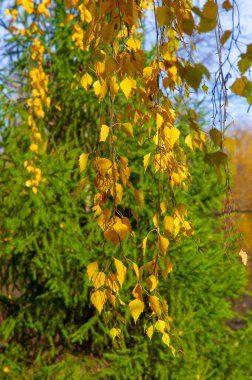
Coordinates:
x,y
111,297
164,15
151,282
134,44
92,268
98,279
121,271
136,308
168,223
159,121
113,86
98,299
121,229
163,244
243,255
155,305
160,325
168,268
139,197
155,220
137,292
144,243
229,143
166,339
150,331
128,129
126,86
86,81
189,141
100,89
115,331
83,161
104,133
146,161
135,267
163,207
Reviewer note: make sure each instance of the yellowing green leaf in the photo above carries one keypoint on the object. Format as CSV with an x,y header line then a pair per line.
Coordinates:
x,y
98,299
144,243
121,271
83,161
86,81
146,161
166,339
136,308
210,10
92,268
139,197
229,143
104,133
160,325
150,331
225,36
128,129
115,331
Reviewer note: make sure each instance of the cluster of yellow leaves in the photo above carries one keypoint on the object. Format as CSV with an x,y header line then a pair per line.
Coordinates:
x,y
119,69
39,83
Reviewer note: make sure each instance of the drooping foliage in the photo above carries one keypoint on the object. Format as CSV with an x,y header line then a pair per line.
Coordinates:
x,y
107,231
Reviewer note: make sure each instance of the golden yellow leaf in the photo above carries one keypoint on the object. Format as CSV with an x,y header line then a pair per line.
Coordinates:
x,y
151,282
133,43
155,220
113,86
83,161
121,271
136,308
111,297
146,161
166,339
168,268
135,267
168,223
98,299
163,207
150,331
229,143
243,255
144,243
126,86
104,132
189,141
139,197
159,121
100,89
155,305
121,229
128,129
98,279
86,81
92,268
163,244
115,331
160,325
